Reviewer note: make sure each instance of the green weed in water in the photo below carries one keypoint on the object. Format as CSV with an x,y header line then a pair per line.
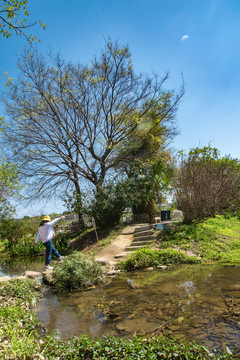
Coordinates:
x,y
77,271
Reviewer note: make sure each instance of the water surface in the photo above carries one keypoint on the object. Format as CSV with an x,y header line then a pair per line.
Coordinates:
x,y
200,302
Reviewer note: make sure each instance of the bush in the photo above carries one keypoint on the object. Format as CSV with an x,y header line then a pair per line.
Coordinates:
x,y
108,204
144,348
76,272
144,258
206,184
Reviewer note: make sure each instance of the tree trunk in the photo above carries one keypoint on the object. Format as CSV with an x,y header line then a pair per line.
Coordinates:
x,y
79,206
150,208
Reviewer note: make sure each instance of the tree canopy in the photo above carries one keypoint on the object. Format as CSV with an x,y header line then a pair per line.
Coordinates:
x,y
66,122
9,186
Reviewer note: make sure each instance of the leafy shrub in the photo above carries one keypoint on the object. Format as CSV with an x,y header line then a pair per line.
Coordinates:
x,y
108,204
16,229
144,258
76,272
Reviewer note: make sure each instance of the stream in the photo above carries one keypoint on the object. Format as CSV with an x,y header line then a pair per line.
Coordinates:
x,y
198,302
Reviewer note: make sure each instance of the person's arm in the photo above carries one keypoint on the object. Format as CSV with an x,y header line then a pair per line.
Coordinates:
x,y
51,223
37,238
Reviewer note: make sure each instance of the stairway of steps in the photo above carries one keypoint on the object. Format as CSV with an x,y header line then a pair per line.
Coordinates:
x,y
143,236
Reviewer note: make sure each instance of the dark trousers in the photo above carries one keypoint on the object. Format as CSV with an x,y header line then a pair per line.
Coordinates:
x,y
50,249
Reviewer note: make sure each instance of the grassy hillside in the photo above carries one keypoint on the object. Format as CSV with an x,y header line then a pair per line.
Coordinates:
x,y
216,239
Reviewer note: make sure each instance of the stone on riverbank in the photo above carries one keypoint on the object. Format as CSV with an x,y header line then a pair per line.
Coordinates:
x,y
5,278
32,274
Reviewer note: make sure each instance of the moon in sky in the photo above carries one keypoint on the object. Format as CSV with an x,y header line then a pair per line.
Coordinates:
x,y
185,37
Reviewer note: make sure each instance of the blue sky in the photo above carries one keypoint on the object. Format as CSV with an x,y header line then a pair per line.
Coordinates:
x,y
197,38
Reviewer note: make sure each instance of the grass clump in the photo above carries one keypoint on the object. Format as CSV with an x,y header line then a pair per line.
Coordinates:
x,y
76,272
18,336
145,257
27,290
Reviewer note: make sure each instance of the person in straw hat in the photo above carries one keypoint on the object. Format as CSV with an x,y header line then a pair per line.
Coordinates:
x,y
46,233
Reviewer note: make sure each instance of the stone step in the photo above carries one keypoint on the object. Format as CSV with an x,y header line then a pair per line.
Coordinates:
x,y
143,238
143,228
133,248
140,243
119,256
144,233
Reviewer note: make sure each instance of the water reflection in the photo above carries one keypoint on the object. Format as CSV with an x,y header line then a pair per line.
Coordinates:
x,y
17,266
199,302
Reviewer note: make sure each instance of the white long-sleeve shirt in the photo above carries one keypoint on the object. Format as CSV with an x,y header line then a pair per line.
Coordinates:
x,y
46,232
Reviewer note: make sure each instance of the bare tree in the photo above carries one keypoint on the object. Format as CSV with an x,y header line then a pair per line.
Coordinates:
x,y
65,122
206,184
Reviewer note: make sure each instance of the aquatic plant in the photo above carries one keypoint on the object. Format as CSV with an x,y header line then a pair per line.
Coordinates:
x,y
77,271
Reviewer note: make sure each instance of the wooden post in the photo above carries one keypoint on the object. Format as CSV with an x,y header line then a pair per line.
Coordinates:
x,y
95,228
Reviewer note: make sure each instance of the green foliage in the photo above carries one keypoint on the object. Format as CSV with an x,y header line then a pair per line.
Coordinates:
x,y
23,247
108,204
216,239
151,348
19,339
18,336
148,181
14,18
16,237
144,258
76,272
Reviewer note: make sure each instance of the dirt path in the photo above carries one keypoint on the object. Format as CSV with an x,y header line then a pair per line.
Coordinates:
x,y
111,253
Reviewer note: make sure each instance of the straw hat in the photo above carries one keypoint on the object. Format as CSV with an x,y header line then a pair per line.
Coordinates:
x,y
46,218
